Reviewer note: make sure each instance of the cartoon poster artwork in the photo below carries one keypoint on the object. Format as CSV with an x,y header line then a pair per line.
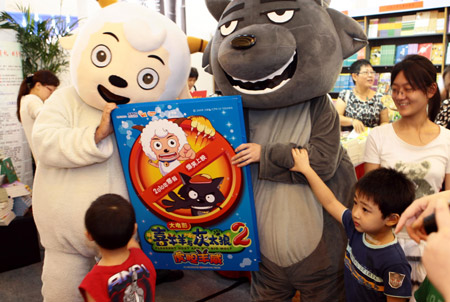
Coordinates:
x,y
194,209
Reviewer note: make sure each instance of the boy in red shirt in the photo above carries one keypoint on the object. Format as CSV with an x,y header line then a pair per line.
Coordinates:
x,y
124,272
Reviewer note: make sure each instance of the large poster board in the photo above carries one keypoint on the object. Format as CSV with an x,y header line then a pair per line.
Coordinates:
x,y
194,209
13,142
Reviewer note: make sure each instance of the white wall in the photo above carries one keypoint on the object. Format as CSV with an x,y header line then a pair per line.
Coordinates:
x,y
196,10
51,7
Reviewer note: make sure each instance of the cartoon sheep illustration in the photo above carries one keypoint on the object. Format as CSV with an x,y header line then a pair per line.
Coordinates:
x,y
165,142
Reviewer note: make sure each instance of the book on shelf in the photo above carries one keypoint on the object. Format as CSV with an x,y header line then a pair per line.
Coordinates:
x,y
447,57
401,52
373,28
361,22
375,55
408,24
437,53
439,78
425,50
7,169
21,195
396,29
413,48
375,81
384,83
344,81
389,27
440,23
361,54
350,60
383,27
350,83
339,83
6,206
433,21
422,22
387,54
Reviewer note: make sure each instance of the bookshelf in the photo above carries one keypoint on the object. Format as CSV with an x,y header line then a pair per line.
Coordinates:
x,y
398,30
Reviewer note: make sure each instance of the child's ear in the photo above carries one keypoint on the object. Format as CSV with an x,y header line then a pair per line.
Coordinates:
x,y
88,236
135,229
392,220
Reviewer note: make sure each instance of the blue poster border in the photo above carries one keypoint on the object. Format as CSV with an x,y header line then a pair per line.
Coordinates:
x,y
224,238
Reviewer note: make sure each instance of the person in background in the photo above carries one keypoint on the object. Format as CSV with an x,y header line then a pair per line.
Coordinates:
x,y
436,256
193,77
376,268
361,107
110,222
413,144
443,117
34,90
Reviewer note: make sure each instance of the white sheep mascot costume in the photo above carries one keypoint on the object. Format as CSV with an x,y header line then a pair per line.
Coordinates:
x,y
125,53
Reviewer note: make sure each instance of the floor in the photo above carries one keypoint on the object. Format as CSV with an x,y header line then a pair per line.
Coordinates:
x,y
24,284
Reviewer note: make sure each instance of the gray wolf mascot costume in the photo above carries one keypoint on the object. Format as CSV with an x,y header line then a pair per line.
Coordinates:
x,y
283,57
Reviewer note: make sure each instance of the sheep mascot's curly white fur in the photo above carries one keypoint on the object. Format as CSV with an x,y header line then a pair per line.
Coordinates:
x,y
125,53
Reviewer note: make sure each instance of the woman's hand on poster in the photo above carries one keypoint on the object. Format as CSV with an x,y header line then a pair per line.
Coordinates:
x,y
246,154
105,128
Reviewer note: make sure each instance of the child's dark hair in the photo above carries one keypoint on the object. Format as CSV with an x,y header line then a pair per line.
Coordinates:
x,y
193,73
45,77
420,74
110,220
390,189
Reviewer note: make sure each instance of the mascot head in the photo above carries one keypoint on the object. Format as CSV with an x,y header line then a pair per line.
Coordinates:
x,y
128,53
279,53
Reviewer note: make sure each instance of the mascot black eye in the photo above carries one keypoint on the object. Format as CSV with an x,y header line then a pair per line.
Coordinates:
x,y
101,56
157,145
228,28
210,198
172,143
280,16
148,78
192,194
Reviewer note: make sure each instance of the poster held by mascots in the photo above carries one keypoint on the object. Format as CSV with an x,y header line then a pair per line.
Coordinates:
x,y
194,209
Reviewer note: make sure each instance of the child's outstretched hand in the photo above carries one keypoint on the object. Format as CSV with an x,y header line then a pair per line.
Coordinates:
x,y
301,160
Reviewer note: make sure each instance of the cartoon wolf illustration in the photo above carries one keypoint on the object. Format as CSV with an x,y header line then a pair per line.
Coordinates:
x,y
200,193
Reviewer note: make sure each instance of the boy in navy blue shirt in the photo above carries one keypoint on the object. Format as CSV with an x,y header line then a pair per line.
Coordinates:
x,y
376,268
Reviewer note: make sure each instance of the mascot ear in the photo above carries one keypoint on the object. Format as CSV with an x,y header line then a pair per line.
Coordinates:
x,y
104,3
350,33
196,44
216,7
67,41
205,59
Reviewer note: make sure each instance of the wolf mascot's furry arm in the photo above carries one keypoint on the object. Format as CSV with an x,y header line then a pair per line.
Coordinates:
x,y
283,57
